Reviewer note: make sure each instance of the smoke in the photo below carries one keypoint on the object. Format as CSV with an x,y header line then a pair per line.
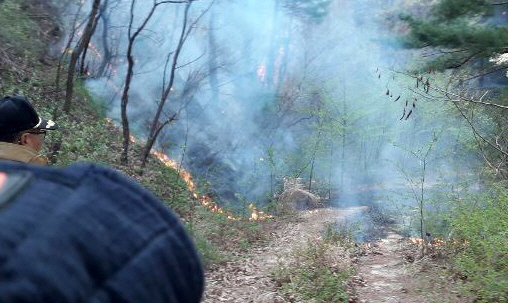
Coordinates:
x,y
264,91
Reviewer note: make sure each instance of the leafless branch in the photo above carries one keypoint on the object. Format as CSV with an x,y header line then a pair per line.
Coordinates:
x,y
478,134
455,97
190,62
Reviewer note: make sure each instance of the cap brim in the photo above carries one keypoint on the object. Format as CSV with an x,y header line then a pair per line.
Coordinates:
x,y
46,125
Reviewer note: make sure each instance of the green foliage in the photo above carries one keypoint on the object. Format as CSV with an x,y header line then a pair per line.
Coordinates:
x,y
339,233
90,142
314,275
481,226
450,9
456,34
459,28
208,252
18,34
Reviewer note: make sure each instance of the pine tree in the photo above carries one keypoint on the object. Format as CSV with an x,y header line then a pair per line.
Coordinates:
x,y
465,34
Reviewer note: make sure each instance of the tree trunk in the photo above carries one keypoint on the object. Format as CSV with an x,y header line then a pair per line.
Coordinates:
x,y
330,174
212,58
154,129
272,51
311,172
344,131
105,45
150,143
421,206
84,41
124,158
83,70
125,100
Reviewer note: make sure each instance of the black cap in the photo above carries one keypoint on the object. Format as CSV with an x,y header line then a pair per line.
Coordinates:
x,y
17,115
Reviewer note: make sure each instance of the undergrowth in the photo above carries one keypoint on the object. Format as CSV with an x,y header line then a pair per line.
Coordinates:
x,y
27,29
481,223
319,271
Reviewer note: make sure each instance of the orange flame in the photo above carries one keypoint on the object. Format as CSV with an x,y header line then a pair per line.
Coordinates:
x,y
436,242
206,201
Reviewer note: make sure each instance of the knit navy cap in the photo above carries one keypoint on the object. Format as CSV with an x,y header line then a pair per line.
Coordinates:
x,y
17,115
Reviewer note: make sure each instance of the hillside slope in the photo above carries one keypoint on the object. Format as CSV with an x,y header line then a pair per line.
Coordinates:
x,y
28,31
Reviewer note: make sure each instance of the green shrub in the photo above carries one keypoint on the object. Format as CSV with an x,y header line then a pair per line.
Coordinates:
x,y
18,34
339,233
481,224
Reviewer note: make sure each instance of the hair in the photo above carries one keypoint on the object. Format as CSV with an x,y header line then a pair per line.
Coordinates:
x,y
9,138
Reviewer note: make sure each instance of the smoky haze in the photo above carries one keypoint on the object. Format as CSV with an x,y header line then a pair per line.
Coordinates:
x,y
263,88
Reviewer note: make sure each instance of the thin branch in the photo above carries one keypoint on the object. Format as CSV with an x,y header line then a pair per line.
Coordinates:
x,y
466,60
298,121
441,52
189,63
460,98
478,134
486,73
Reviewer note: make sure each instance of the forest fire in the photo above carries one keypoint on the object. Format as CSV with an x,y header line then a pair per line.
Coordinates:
x,y
207,202
437,242
421,242
255,214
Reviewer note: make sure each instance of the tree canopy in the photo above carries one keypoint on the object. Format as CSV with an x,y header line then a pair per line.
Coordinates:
x,y
464,32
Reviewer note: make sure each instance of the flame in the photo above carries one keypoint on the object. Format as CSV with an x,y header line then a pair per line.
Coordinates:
x,y
205,200
437,242
256,215
262,72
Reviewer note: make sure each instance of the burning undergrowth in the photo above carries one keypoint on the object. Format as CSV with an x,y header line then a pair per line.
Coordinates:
x,y
206,201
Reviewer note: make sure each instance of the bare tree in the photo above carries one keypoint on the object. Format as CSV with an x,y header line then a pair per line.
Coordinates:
x,y
417,187
132,36
78,50
212,57
102,10
493,147
156,125
104,17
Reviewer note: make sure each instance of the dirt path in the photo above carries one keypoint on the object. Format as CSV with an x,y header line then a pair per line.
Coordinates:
x,y
384,275
248,279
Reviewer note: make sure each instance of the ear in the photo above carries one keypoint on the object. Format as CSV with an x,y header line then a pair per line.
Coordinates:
x,y
24,139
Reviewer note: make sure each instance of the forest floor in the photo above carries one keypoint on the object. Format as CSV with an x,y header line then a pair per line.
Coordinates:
x,y
387,271
392,271
249,278
384,274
